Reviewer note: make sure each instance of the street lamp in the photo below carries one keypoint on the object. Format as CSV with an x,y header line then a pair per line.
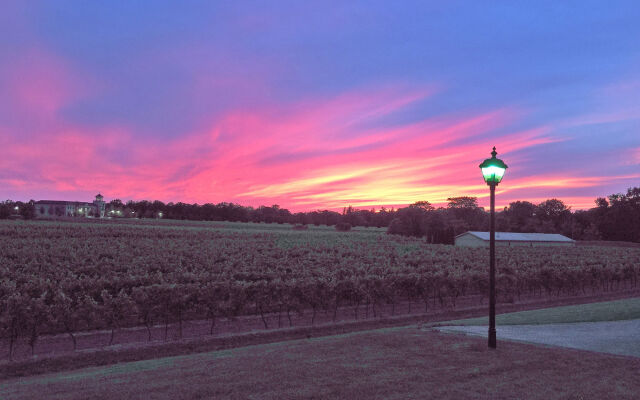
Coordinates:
x,y
492,171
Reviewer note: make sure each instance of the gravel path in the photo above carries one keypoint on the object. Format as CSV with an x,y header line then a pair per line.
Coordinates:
x,y
615,337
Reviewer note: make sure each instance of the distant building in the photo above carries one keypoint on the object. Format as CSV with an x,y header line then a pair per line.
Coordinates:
x,y
61,208
100,205
481,239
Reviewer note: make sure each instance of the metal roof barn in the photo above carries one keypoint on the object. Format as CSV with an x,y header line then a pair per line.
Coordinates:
x,y
481,239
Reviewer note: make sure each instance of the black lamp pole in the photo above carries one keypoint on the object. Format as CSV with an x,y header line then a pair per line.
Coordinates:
x,y
492,170
492,270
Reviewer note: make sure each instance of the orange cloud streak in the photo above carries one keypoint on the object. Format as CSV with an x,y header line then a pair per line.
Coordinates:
x,y
315,154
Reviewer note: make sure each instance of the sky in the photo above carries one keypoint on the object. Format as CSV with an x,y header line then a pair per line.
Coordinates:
x,y
318,105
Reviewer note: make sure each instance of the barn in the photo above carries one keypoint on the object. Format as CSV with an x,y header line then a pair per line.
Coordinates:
x,y
481,239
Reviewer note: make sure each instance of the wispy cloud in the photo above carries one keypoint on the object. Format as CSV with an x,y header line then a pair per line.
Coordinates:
x,y
314,154
236,106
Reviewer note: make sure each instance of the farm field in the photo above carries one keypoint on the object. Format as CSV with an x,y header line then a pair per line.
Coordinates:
x,y
393,363
70,277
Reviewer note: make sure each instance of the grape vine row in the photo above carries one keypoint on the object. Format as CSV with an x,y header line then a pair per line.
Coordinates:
x,y
69,277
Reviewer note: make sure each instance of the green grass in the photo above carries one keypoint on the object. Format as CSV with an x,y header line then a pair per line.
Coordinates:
x,y
393,363
593,312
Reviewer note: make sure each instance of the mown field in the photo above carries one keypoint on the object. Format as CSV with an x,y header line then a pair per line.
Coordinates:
x,y
74,276
393,363
618,310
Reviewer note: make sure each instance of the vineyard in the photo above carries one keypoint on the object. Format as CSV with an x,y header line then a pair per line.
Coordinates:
x,y
68,277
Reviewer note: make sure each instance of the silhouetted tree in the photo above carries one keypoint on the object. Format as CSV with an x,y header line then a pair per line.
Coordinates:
x,y
553,215
466,214
616,217
519,216
5,209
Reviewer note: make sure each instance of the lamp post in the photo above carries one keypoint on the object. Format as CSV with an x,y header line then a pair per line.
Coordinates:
x,y
492,171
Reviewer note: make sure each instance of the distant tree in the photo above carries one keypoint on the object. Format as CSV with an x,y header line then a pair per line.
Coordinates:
x,y
300,218
436,227
383,217
552,215
5,209
462,203
466,210
28,210
550,209
519,216
590,233
620,220
616,217
397,227
409,221
116,204
601,202
425,205
157,206
283,216
330,217
352,216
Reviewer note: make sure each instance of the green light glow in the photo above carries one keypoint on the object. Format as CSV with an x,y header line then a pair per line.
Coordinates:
x,y
493,174
493,169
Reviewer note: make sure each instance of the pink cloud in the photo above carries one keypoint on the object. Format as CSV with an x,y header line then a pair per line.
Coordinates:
x,y
40,83
634,156
314,154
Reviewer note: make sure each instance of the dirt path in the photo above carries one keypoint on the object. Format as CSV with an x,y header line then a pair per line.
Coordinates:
x,y
614,337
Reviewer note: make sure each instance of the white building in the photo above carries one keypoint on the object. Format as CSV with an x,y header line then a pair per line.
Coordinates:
x,y
481,239
60,208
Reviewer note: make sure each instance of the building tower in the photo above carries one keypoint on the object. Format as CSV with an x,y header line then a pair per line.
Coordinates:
x,y
100,204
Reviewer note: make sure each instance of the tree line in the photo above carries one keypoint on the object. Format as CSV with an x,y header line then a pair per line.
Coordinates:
x,y
616,217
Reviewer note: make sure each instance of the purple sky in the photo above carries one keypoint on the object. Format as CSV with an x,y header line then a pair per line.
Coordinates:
x,y
318,104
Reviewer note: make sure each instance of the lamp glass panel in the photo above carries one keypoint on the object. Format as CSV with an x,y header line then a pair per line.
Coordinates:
x,y
492,174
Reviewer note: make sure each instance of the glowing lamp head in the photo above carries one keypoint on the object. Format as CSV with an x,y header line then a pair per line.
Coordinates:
x,y
493,169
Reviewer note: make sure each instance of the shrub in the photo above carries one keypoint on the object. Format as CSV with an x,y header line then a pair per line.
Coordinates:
x,y
396,227
343,226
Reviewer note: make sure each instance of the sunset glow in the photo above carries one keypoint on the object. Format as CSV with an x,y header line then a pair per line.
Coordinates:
x,y
366,105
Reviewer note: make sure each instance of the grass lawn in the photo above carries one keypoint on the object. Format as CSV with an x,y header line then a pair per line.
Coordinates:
x,y
594,312
392,363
